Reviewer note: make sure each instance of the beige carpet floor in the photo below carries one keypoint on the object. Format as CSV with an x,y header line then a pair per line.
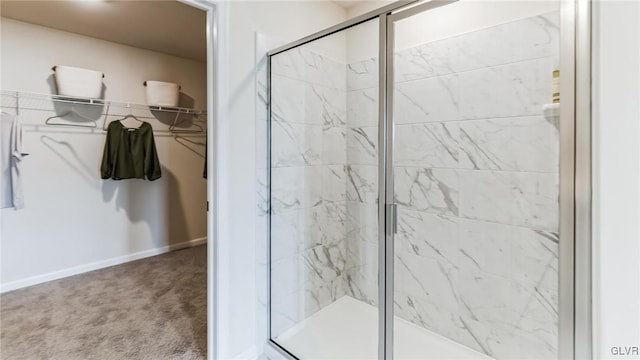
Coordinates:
x,y
153,308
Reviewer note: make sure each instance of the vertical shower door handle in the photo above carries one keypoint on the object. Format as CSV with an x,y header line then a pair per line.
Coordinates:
x,y
392,216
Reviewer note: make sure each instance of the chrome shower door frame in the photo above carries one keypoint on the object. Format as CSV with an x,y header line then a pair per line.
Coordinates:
x,y
574,184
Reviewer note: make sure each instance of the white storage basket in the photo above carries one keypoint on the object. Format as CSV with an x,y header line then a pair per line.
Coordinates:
x,y
78,82
160,93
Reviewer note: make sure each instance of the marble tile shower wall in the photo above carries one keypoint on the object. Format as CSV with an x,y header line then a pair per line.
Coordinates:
x,y
477,186
308,223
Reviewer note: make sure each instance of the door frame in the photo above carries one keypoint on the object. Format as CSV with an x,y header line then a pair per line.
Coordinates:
x,y
575,319
388,212
211,8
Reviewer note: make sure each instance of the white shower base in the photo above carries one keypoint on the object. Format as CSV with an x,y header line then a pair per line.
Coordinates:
x,y
348,329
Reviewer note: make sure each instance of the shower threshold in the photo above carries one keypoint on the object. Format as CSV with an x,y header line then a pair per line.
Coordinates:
x,y
348,329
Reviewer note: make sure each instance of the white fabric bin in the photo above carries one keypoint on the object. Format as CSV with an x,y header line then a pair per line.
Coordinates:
x,y
78,82
160,93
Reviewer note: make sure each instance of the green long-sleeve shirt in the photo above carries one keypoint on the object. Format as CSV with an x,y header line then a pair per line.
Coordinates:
x,y
130,153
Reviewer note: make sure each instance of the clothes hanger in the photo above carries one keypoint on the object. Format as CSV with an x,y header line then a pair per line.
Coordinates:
x,y
130,116
72,111
177,130
190,144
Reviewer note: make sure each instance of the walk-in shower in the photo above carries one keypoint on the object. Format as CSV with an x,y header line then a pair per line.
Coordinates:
x,y
415,184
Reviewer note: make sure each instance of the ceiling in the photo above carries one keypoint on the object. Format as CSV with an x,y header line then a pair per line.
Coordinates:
x,y
166,26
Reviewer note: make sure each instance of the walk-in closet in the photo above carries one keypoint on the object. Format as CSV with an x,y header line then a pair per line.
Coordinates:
x,y
104,191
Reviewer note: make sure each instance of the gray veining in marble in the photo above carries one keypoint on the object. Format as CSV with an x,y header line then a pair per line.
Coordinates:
x,y
430,190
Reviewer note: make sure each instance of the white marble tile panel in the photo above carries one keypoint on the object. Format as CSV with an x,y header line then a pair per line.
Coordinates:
x,y
429,145
287,277
334,107
295,188
324,224
363,254
286,311
287,235
289,63
362,107
529,143
324,106
324,264
333,217
321,70
334,75
539,327
547,289
262,147
429,235
334,145
262,192
314,66
514,198
261,247
362,285
516,89
314,186
431,99
334,183
516,41
287,99
516,253
430,190
362,222
363,74
427,279
310,226
262,113
488,298
263,43
287,189
423,61
295,144
317,298
362,145
313,104
261,91
362,183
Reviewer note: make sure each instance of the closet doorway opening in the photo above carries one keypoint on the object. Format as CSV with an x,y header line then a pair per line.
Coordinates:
x,y
105,238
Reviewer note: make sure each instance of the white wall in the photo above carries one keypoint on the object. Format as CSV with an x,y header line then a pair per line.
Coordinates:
x,y
72,217
240,20
616,214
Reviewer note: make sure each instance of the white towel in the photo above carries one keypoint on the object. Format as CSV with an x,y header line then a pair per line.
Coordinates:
x,y
11,154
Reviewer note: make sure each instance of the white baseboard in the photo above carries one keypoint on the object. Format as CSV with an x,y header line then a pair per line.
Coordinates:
x,y
38,279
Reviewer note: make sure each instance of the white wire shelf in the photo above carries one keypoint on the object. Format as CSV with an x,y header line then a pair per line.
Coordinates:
x,y
21,100
94,109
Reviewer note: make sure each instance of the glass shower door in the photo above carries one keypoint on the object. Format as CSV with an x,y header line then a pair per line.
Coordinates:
x,y
475,172
324,197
